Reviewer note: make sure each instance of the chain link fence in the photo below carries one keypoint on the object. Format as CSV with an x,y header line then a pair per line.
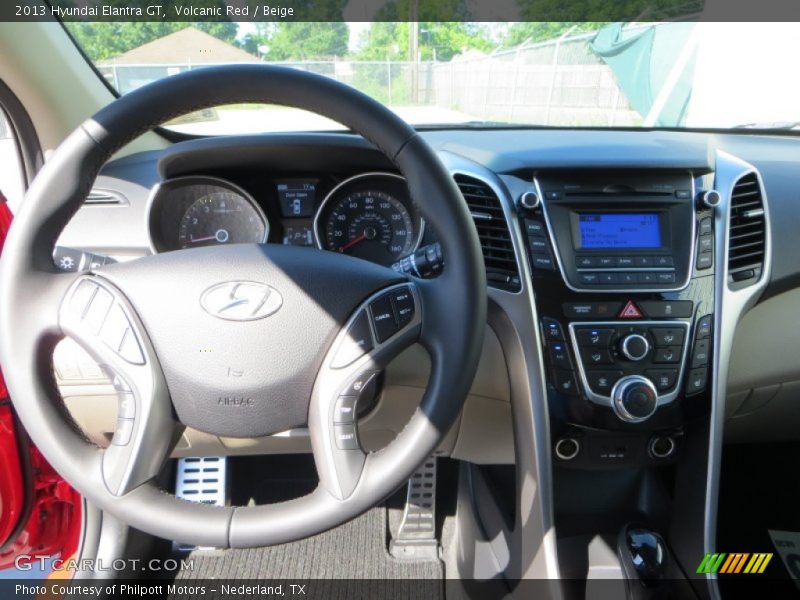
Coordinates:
x,y
558,82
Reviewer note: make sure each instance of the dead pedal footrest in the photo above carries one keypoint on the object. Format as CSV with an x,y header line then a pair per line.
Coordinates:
x,y
201,479
416,538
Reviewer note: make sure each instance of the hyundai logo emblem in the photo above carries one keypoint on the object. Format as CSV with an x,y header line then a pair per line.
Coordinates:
x,y
241,300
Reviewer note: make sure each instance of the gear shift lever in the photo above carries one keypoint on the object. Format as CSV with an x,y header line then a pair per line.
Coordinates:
x,y
644,556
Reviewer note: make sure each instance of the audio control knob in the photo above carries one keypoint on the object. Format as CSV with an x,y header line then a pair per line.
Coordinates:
x,y
634,399
529,201
635,347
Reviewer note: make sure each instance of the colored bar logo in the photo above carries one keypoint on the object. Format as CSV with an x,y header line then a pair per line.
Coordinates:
x,y
736,562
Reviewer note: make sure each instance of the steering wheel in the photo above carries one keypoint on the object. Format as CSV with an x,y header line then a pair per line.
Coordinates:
x,y
240,340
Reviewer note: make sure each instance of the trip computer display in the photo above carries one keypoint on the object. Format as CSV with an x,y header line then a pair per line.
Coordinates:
x,y
296,198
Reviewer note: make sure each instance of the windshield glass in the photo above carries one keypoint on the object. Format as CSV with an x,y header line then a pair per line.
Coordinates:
x,y
668,74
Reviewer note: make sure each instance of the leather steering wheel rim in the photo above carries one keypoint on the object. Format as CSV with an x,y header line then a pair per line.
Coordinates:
x,y
453,306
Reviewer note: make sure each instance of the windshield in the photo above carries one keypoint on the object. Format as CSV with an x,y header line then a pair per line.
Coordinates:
x,y
441,74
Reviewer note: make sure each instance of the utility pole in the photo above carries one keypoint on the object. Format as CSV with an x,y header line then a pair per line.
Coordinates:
x,y
413,49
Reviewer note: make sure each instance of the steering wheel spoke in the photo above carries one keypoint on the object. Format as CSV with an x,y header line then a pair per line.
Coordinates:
x,y
383,326
99,318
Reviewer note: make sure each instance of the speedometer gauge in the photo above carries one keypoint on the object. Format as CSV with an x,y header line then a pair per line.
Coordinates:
x,y
221,217
371,218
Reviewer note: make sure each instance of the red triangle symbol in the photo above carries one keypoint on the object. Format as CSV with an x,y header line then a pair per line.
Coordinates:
x,y
630,311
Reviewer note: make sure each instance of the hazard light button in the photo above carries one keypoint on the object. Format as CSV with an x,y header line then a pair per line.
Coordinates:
x,y
631,311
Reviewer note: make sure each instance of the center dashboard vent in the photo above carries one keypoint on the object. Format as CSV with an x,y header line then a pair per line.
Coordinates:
x,y
747,231
502,270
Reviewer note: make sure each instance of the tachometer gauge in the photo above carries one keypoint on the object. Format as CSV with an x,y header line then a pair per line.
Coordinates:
x,y
371,219
221,217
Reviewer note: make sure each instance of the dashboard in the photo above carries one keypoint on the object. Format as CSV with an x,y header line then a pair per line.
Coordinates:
x,y
367,215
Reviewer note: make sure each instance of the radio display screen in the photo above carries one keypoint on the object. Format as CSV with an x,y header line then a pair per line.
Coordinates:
x,y
623,231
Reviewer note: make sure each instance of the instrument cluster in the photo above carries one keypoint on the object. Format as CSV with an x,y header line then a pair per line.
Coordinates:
x,y
370,215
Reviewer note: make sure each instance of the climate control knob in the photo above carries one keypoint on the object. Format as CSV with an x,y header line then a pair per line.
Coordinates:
x,y
634,347
634,399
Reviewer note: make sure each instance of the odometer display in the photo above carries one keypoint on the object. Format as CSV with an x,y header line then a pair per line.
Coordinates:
x,y
370,217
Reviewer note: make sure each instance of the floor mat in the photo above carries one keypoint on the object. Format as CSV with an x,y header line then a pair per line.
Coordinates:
x,y
354,554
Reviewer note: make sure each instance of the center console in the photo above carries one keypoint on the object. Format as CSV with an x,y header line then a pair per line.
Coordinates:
x,y
623,267
623,274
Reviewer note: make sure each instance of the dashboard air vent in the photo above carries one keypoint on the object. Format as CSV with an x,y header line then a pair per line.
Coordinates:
x,y
747,231
105,198
498,251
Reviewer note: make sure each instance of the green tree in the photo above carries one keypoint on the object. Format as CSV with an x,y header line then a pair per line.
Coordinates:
x,y
104,40
299,40
543,31
439,40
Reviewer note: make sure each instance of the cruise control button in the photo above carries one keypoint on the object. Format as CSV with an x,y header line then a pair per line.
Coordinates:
x,y
123,432
403,306
704,327
356,343
700,355
602,382
658,309
552,330
559,355
361,385
115,327
598,338
667,336
126,406
344,411
383,318
596,356
565,382
663,379
696,382
671,354
346,437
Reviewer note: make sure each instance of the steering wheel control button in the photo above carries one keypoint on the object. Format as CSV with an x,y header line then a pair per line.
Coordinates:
x,y
663,379
82,297
383,318
97,310
667,336
700,355
595,338
130,349
126,406
344,411
634,399
403,306
659,309
123,432
362,386
696,382
357,342
115,328
346,437
602,382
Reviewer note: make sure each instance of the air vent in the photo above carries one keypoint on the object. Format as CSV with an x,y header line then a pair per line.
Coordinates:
x,y
747,231
105,198
498,251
